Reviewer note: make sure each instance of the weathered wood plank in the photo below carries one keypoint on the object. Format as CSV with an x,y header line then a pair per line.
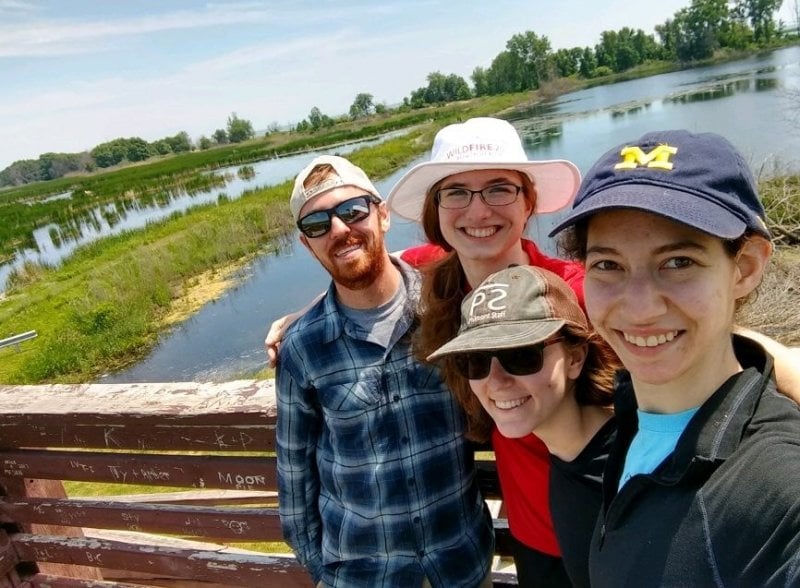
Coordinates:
x,y
233,416
239,524
241,570
229,432
195,471
51,489
198,497
52,581
240,396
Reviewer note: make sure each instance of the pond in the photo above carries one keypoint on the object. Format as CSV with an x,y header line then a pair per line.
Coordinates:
x,y
747,101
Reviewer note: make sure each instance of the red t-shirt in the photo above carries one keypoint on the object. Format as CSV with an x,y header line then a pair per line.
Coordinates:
x,y
523,465
569,271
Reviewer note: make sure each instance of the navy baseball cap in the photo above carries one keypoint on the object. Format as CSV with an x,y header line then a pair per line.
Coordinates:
x,y
699,180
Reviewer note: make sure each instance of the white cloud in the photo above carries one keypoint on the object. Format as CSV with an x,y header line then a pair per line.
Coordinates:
x,y
16,5
56,37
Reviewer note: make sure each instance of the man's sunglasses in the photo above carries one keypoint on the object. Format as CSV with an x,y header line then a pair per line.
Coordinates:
x,y
350,211
518,361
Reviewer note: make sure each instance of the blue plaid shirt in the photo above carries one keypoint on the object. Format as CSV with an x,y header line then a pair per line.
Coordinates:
x,y
377,484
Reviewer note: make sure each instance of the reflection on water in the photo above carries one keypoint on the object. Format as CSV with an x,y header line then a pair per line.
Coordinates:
x,y
56,241
631,110
712,92
541,136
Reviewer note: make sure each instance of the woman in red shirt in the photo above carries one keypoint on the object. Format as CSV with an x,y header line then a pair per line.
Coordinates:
x,y
474,198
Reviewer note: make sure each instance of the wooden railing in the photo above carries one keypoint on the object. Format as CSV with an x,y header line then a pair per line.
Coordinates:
x,y
212,445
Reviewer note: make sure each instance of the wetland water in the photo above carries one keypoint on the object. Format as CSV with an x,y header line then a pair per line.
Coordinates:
x,y
748,101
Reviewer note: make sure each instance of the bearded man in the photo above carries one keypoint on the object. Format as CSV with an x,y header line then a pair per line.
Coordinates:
x,y
376,480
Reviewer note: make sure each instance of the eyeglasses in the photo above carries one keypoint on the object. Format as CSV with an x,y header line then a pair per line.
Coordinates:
x,y
496,195
317,223
519,361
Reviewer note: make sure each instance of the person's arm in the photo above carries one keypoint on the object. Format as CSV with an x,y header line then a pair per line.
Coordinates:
x,y
277,329
787,362
298,425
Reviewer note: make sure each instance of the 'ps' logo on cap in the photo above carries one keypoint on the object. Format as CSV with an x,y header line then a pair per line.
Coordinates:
x,y
488,301
658,158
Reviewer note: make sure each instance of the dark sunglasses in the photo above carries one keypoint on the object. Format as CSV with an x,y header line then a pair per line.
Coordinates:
x,y
317,223
518,361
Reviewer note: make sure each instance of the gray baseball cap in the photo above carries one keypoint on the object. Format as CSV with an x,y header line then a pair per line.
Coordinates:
x,y
348,175
517,306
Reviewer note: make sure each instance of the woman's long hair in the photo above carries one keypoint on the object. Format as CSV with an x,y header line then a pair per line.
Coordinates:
x,y
595,384
444,287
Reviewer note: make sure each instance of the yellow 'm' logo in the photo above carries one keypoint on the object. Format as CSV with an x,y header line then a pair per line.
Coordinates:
x,y
633,157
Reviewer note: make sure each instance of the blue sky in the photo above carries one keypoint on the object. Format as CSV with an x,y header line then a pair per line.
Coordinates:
x,y
75,73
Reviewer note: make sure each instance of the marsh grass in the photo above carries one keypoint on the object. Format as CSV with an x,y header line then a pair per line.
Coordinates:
x,y
773,311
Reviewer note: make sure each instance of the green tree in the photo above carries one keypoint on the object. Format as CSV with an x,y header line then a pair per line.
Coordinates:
x,y
697,29
110,153
796,14
160,147
204,143
21,172
480,80
315,119
57,165
625,48
435,91
180,142
362,106
588,63
668,35
760,14
736,35
505,74
567,61
239,129
533,55
137,149
220,136
417,98
606,50
456,88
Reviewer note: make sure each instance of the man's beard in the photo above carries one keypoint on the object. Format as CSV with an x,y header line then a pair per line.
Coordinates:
x,y
362,273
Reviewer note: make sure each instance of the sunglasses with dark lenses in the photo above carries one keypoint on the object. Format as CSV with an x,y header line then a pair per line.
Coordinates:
x,y
317,223
518,361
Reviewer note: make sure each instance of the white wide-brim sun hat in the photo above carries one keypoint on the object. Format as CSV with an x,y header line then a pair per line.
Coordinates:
x,y
477,144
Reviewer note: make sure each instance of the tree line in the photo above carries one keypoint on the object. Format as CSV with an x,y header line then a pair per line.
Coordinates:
x,y
693,33
50,166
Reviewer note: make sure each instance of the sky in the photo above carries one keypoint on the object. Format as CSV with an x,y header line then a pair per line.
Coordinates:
x,y
76,73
